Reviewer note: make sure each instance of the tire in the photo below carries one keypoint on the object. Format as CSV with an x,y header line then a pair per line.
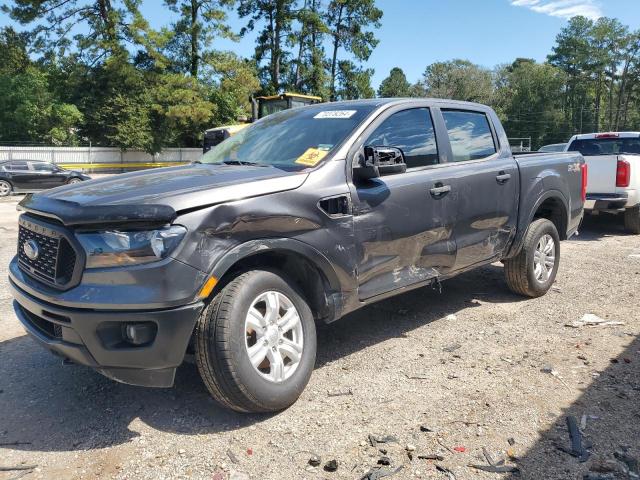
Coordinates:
x,y
73,180
522,276
222,345
632,220
5,188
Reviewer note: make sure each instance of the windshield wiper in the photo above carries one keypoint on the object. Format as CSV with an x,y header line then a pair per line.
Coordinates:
x,y
241,162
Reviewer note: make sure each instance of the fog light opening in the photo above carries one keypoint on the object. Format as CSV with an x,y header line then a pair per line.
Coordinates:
x,y
139,333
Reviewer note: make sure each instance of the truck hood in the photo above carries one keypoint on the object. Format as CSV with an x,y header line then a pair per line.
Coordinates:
x,y
159,194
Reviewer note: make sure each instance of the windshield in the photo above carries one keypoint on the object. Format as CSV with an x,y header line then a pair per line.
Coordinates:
x,y
292,140
606,146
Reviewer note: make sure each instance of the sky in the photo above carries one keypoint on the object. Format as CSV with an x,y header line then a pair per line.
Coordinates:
x,y
415,33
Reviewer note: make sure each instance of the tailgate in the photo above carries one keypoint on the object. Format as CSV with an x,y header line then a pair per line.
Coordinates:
x,y
602,173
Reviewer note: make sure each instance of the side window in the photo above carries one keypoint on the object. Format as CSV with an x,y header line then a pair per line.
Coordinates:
x,y
42,167
17,167
412,132
469,134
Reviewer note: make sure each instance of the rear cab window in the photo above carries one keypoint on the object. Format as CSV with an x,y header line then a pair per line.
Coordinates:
x,y
412,132
590,147
469,134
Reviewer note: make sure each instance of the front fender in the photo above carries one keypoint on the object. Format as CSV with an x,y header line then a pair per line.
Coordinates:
x,y
285,245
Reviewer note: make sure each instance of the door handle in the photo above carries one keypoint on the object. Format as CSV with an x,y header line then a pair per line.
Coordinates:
x,y
440,190
502,177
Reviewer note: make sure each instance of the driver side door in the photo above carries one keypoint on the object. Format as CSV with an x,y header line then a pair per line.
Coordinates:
x,y
403,223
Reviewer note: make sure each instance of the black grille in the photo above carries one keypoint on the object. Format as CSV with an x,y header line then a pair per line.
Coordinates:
x,y
55,260
50,329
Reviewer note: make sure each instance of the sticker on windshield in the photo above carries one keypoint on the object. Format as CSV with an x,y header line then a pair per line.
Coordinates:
x,y
335,114
311,157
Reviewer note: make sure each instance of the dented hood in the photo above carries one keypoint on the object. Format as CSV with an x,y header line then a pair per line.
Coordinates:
x,y
159,194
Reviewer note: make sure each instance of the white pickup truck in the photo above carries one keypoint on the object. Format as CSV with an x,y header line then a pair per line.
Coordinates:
x,y
613,185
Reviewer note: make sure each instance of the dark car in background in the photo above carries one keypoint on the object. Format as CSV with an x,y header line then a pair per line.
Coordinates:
x,y
24,176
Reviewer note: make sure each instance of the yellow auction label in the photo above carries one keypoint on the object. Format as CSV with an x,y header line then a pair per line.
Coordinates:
x,y
311,157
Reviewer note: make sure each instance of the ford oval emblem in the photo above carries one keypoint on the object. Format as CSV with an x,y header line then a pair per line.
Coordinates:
x,y
31,249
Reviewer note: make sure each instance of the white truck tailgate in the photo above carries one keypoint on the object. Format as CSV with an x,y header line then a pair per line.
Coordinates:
x,y
602,173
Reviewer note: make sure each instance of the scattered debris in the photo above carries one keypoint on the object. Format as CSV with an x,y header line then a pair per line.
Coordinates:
x,y
410,448
577,449
630,462
374,440
552,371
376,473
583,422
446,471
331,466
232,457
342,393
442,444
417,377
431,456
460,449
511,441
451,317
384,461
556,289
315,461
452,348
182,451
249,451
589,319
496,468
18,468
489,457
427,428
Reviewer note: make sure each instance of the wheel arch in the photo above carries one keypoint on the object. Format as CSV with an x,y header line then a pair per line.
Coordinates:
x,y
551,205
311,271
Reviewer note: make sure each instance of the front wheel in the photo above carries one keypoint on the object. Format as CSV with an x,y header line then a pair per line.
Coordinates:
x,y
632,220
255,343
74,180
533,270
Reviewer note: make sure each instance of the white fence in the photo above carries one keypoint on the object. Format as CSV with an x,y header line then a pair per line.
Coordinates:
x,y
97,155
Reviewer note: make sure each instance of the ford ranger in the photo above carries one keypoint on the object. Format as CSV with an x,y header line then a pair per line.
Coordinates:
x,y
613,159
303,217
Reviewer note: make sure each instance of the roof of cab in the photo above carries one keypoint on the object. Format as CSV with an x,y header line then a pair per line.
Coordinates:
x,y
591,136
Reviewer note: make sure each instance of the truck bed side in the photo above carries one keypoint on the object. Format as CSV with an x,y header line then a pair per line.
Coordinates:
x,y
550,183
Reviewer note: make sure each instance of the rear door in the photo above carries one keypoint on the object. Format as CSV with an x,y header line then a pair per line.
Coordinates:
x,y
403,224
20,174
487,186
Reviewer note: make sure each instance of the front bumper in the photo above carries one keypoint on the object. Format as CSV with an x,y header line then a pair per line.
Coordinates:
x,y
94,337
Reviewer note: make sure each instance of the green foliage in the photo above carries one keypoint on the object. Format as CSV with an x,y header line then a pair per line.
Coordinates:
x,y
457,79
395,85
353,82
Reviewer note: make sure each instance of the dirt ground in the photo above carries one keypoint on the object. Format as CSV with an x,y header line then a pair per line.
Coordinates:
x,y
474,366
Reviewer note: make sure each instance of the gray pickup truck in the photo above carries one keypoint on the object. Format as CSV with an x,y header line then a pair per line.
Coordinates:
x,y
303,217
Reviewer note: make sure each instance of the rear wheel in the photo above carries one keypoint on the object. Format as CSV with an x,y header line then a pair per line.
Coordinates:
x,y
533,270
632,219
256,343
5,188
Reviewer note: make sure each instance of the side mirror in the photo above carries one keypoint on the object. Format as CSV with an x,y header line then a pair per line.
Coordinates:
x,y
373,162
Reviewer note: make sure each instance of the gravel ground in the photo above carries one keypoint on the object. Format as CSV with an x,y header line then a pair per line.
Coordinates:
x,y
471,365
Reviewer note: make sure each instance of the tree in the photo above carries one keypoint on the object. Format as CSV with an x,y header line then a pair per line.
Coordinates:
x,y
347,21
395,85
309,72
278,17
199,23
14,57
108,24
457,79
528,100
353,82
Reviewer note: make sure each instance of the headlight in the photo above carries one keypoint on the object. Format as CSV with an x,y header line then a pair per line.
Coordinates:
x,y
114,248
